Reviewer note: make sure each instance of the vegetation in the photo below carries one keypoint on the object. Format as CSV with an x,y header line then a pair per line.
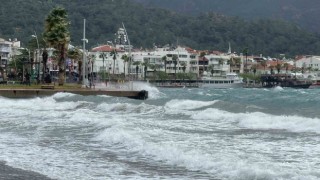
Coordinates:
x,y
303,13
57,36
149,26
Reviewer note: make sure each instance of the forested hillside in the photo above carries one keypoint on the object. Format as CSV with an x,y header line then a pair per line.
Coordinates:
x,y
304,13
148,26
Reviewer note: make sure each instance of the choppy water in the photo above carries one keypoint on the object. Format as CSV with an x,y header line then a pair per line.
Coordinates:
x,y
176,134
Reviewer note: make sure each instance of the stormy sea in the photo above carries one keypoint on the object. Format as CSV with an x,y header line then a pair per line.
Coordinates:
x,y
178,133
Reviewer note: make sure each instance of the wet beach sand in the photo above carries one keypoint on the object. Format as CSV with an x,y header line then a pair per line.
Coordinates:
x,y
10,173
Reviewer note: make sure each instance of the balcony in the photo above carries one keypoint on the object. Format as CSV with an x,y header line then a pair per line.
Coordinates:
x,y
5,49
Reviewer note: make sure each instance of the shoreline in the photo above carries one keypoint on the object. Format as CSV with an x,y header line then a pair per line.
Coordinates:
x,y
30,93
10,173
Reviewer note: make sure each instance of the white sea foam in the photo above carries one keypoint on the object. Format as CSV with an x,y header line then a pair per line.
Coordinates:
x,y
127,108
290,123
57,163
153,91
185,104
221,164
47,103
259,120
62,95
278,88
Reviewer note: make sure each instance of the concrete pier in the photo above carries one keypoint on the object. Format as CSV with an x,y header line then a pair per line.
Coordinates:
x,y
30,93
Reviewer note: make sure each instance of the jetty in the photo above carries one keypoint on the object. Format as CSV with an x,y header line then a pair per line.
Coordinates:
x,y
49,90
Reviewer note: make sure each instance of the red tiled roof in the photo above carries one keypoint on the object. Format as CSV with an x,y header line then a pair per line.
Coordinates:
x,y
216,52
104,48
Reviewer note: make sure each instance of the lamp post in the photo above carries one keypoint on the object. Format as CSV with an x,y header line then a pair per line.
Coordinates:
x,y
38,60
84,54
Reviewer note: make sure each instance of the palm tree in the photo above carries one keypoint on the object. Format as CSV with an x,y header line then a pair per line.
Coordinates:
x,y
153,67
175,62
145,64
220,63
57,35
211,68
103,55
271,69
278,67
114,53
2,71
286,66
231,63
264,64
136,63
125,59
76,55
245,51
164,59
254,69
44,60
202,56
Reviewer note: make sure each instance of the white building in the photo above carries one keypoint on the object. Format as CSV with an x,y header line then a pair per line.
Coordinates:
x,y
309,62
8,49
187,61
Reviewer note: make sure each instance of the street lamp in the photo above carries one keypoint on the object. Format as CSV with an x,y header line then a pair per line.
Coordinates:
x,y
38,60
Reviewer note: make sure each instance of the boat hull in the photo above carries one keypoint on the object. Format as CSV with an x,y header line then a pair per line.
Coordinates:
x,y
222,85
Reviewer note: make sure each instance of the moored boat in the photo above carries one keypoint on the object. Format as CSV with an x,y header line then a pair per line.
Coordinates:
x,y
284,80
230,80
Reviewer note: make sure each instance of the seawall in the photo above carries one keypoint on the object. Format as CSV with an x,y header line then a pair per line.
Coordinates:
x,y
30,93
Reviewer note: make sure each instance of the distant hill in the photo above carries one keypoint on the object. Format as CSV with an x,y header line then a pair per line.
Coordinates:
x,y
148,26
304,13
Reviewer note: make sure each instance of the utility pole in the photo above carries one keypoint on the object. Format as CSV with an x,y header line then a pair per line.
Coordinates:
x,y
37,56
84,55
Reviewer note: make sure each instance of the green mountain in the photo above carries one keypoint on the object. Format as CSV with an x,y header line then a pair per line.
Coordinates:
x,y
304,13
148,26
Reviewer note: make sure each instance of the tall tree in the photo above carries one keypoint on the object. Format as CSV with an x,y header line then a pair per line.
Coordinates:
x,y
57,35
278,67
125,59
145,64
103,55
202,57
137,64
76,55
245,52
264,64
221,61
114,53
286,66
164,59
175,62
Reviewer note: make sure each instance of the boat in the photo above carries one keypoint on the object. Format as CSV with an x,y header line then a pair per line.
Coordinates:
x,y
176,83
315,79
230,80
284,80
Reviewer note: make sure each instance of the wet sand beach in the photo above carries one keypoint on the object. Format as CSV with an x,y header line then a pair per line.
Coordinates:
x,y
10,173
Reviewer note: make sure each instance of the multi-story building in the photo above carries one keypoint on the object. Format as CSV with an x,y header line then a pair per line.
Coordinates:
x,y
8,49
308,63
161,59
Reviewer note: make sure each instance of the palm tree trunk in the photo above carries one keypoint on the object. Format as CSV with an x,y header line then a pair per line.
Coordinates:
x,y
114,63
165,67
61,65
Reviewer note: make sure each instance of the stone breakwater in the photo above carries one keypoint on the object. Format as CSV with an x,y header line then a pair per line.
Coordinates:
x,y
30,93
